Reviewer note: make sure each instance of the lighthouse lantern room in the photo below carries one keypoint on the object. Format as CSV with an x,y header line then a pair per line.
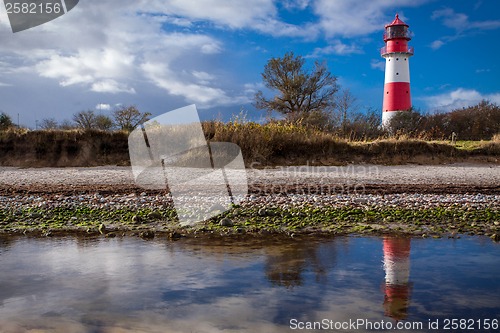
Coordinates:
x,y
397,53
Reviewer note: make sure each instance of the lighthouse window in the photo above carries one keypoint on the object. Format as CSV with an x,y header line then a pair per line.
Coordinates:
x,y
397,58
387,93
397,73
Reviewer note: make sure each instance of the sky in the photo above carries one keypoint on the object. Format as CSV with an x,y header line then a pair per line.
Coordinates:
x,y
163,55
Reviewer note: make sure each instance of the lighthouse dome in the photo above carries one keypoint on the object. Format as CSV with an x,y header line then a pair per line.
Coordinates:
x,y
397,29
397,21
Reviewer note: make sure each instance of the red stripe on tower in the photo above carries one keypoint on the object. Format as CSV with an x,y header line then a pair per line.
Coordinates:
x,y
397,53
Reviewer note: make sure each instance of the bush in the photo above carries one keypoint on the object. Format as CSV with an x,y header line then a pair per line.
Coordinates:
x,y
5,121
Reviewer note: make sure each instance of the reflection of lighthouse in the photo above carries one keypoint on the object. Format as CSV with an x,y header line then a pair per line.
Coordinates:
x,y
397,275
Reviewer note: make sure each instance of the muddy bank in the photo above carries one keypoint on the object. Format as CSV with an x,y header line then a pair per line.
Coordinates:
x,y
149,216
423,201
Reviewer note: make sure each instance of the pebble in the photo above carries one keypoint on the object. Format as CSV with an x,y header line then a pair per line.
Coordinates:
x,y
147,234
136,219
154,216
225,222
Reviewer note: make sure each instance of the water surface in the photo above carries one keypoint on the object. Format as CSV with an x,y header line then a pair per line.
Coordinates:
x,y
132,285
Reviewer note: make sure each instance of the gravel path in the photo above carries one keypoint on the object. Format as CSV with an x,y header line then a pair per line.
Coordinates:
x,y
457,174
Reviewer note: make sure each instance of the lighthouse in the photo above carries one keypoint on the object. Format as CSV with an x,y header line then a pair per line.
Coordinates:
x,y
397,55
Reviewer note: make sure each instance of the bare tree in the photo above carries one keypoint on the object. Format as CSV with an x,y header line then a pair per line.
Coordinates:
x,y
49,124
85,119
298,91
128,118
67,125
103,123
345,106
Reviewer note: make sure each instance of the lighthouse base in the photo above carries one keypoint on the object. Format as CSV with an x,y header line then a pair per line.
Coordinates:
x,y
387,116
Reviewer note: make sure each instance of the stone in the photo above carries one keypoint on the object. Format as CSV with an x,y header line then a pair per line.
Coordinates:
x,y
147,234
154,216
136,219
225,222
102,228
495,237
217,207
174,235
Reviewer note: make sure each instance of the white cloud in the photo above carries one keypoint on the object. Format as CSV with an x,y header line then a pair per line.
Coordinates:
x,y
278,28
451,19
111,86
295,4
252,88
437,44
377,64
336,47
204,76
88,66
234,14
459,98
103,106
461,22
104,48
355,18
200,93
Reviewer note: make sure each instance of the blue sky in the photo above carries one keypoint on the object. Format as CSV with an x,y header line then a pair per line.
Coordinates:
x,y
162,55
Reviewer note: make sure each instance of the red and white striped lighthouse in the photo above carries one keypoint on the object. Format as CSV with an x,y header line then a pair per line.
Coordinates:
x,y
397,55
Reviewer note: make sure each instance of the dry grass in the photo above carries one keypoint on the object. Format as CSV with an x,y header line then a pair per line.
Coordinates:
x,y
262,145
278,144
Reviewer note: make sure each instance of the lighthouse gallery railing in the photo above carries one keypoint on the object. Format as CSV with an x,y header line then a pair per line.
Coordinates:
x,y
409,50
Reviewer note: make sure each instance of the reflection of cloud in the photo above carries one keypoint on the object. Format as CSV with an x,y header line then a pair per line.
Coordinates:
x,y
194,285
